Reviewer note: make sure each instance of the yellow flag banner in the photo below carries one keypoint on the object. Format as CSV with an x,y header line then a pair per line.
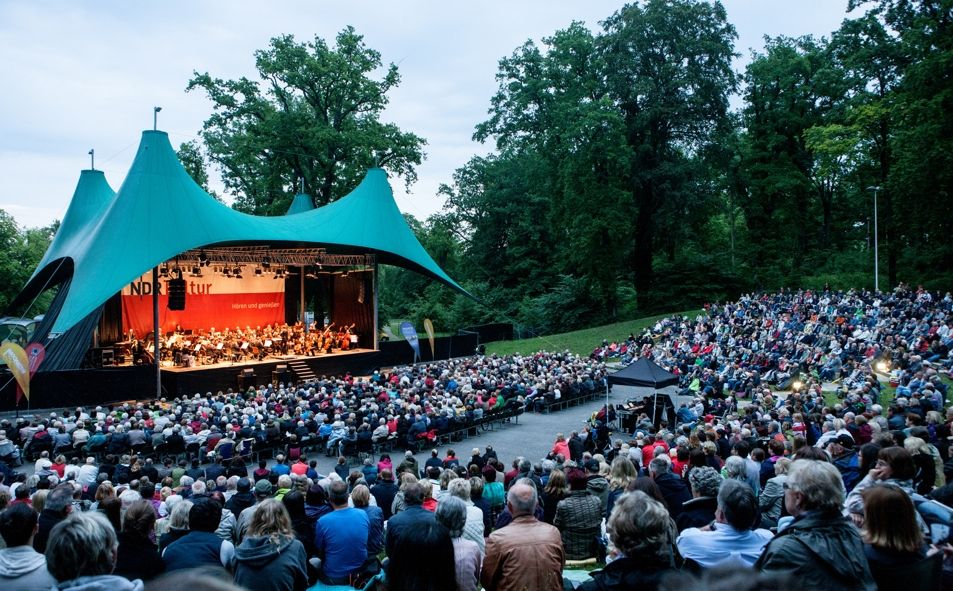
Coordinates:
x,y
16,359
428,326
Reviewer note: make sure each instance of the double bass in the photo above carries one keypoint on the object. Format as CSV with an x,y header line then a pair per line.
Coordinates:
x,y
344,337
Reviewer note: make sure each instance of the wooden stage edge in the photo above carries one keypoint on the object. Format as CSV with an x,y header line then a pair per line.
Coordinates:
x,y
271,359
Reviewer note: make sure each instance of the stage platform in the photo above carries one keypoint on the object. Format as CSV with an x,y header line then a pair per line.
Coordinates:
x,y
91,387
179,381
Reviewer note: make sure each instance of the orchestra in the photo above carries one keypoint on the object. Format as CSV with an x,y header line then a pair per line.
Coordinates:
x,y
186,348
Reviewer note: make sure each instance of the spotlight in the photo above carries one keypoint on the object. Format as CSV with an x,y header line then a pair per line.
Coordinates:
x,y
797,385
226,272
883,367
237,272
266,263
258,271
203,259
196,271
164,270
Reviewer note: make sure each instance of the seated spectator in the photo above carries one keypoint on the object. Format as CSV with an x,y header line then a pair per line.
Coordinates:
x,y
672,487
270,558
384,492
891,535
423,561
451,513
820,548
413,516
731,540
527,553
642,535
361,498
473,531
579,518
59,504
22,567
137,557
340,538
894,466
200,547
700,510
178,522
772,495
81,554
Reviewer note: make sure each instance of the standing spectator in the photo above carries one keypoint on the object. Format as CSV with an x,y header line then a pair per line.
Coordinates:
x,y
821,549
642,533
58,505
451,513
137,557
493,489
22,567
526,554
340,538
579,518
270,558
200,547
81,554
576,447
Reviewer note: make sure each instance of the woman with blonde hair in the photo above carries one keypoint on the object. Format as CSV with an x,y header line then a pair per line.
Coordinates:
x,y
621,473
924,479
271,558
398,503
556,489
104,491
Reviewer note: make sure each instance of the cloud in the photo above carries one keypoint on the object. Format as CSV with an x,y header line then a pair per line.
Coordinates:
x,y
83,75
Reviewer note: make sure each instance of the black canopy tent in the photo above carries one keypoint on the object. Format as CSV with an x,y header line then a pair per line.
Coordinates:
x,y
643,373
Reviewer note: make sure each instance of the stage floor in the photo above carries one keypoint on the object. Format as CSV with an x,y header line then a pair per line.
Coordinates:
x,y
269,361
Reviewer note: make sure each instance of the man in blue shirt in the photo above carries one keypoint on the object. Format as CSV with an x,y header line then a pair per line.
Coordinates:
x,y
340,538
730,540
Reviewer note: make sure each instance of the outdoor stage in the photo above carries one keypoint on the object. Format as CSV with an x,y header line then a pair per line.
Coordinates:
x,y
179,381
92,387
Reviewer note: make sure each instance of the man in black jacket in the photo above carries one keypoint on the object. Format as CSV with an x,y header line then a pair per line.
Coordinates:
x,y
821,549
673,488
384,492
242,499
59,503
576,447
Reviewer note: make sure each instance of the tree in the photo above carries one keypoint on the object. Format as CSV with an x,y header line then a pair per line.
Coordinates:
x,y
315,115
20,253
668,68
192,159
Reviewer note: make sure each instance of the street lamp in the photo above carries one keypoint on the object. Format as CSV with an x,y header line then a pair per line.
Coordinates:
x,y
155,117
876,189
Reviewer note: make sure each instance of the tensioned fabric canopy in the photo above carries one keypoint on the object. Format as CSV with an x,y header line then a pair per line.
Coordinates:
x,y
160,212
643,372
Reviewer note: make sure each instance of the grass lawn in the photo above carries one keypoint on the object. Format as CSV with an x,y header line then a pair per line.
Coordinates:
x,y
581,342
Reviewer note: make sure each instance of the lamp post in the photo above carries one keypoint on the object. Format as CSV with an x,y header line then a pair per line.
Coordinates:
x,y
876,189
155,117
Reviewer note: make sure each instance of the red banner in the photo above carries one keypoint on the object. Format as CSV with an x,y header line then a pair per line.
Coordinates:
x,y
211,301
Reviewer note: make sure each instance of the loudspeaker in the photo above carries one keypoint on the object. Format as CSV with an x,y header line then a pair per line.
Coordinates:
x,y
177,294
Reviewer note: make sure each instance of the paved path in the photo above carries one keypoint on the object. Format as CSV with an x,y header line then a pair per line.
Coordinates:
x,y
531,438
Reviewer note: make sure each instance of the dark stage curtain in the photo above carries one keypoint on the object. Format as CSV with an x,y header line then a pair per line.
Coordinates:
x,y
354,304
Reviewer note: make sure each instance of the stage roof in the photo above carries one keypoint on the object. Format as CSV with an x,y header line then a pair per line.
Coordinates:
x,y
107,240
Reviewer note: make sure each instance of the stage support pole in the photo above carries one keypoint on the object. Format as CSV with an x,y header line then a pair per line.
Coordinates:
x,y
157,344
301,299
377,330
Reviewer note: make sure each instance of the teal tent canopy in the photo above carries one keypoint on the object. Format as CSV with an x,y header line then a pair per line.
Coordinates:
x,y
300,204
160,212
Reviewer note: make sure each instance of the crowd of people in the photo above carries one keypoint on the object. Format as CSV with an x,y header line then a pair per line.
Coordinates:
x,y
739,348
788,490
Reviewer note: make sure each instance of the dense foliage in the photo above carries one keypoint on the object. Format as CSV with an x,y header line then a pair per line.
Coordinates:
x,y
622,176
634,170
